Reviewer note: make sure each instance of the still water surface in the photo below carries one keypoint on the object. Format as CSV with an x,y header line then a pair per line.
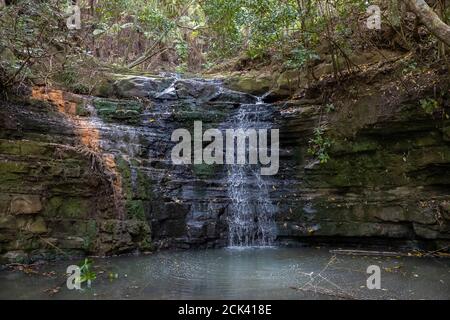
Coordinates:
x,y
258,273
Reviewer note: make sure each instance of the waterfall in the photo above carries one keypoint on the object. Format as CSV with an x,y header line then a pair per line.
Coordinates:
x,y
251,213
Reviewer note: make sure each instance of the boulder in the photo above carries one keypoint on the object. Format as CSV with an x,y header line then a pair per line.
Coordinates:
x,y
25,204
38,226
252,85
196,89
234,96
141,87
72,243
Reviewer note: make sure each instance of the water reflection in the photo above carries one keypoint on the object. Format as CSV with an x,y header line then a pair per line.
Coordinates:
x,y
259,273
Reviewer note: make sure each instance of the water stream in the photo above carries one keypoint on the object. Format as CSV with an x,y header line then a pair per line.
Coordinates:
x,y
251,213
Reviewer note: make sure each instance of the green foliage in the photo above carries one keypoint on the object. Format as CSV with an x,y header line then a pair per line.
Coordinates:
x,y
330,108
319,145
86,274
30,33
429,105
409,66
222,17
182,49
299,57
188,35
255,25
69,77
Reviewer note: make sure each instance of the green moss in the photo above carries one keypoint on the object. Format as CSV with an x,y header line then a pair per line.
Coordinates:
x,y
12,175
91,235
125,171
380,168
81,228
253,85
13,167
188,113
105,88
140,188
143,186
71,208
135,209
25,148
34,148
82,110
52,207
119,110
345,146
75,208
9,147
205,170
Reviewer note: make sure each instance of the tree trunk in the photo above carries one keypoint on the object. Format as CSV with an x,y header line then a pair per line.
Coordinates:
x,y
430,20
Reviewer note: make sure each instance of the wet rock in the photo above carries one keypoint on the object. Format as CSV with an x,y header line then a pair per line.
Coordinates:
x,y
235,97
15,257
119,110
196,89
143,87
384,162
209,91
431,232
72,243
344,229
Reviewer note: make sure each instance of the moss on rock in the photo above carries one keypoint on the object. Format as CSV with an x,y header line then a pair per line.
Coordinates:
x,y
127,111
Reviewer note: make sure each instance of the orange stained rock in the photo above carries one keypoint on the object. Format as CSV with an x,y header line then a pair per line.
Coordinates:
x,y
88,134
55,97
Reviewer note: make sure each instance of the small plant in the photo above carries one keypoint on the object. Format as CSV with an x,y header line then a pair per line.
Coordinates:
x,y
182,50
429,105
319,145
86,274
409,67
330,108
182,68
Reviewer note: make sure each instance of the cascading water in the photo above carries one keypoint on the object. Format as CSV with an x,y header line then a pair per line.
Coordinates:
x,y
250,210
251,213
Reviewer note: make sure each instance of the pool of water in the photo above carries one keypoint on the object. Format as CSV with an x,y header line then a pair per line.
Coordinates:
x,y
255,273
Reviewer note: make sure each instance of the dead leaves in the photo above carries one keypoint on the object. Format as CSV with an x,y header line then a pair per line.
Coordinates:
x,y
52,291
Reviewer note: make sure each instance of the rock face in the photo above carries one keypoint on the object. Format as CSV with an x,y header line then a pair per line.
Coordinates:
x,y
99,179
53,198
388,173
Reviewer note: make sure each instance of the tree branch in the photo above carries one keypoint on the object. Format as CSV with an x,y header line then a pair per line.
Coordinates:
x,y
430,19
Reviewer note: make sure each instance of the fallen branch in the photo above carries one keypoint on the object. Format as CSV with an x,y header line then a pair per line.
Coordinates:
x,y
350,252
327,292
430,19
